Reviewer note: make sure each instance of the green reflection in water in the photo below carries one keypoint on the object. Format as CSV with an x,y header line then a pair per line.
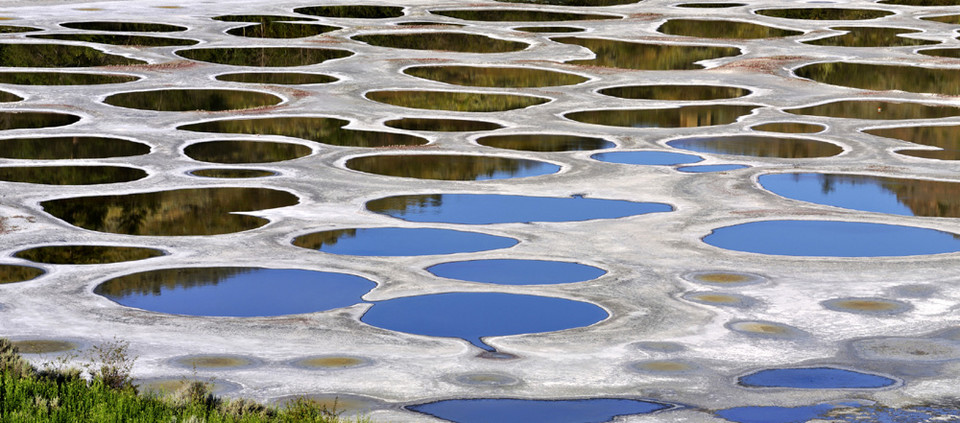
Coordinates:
x,y
883,77
711,5
6,29
320,129
545,142
456,101
449,167
120,40
947,138
722,29
627,55
519,15
261,18
9,97
264,56
852,109
675,92
790,127
60,148
428,23
277,78
22,120
353,11
281,30
156,281
500,77
232,173
551,29
759,146
588,3
317,240
442,125
678,117
58,56
825,14
70,175
871,37
124,26
86,254
187,100
197,211
10,273
942,52
443,41
923,197
245,151
63,78
950,19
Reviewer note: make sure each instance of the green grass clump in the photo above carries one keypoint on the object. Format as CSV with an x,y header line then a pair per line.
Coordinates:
x,y
28,394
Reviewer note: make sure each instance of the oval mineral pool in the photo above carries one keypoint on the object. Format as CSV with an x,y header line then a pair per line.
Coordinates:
x,y
443,41
496,77
401,241
284,30
824,14
545,142
86,254
277,78
475,315
65,148
235,291
873,77
519,15
43,346
629,55
722,29
482,209
354,11
902,196
710,5
245,151
888,110
516,272
11,273
942,137
653,158
759,146
192,99
871,37
458,101
63,78
675,117
442,125
124,26
814,378
30,120
584,3
58,56
121,40
504,410
264,56
711,168
450,167
549,29
181,212
675,92
826,238
790,127
232,173
70,175
324,130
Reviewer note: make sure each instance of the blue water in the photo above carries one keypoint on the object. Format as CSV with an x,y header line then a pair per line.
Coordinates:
x,y
711,168
832,239
471,316
238,292
778,414
848,191
814,378
516,272
535,411
414,242
660,158
480,209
